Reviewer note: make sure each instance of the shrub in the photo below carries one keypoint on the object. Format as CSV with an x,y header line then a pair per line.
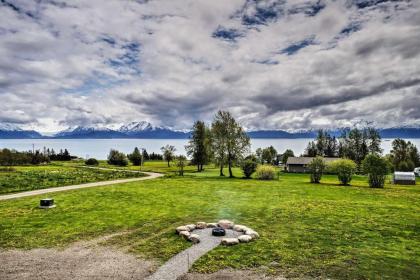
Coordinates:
x,y
117,158
181,162
91,161
265,172
376,168
135,157
344,168
317,167
248,167
406,165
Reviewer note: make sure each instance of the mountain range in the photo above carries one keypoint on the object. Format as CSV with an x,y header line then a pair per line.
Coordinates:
x,y
145,130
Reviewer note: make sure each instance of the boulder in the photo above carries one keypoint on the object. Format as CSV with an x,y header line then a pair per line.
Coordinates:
x,y
182,228
252,233
245,238
190,227
230,241
185,234
240,228
201,225
226,224
212,225
194,238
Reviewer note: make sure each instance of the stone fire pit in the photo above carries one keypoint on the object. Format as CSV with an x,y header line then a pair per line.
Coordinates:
x,y
238,233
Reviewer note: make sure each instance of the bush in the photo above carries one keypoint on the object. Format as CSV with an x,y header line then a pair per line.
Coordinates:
x,y
317,167
135,157
91,161
265,172
117,158
344,168
406,166
181,162
376,168
248,167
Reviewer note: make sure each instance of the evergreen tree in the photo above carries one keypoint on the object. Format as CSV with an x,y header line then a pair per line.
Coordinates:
x,y
135,157
198,145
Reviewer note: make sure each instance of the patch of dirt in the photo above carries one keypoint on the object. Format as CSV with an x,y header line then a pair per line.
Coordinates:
x,y
229,274
82,260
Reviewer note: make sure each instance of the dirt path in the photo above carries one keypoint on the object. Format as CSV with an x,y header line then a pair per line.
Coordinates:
x,y
181,263
82,260
150,175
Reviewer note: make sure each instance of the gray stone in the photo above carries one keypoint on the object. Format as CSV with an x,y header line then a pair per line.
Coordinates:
x,y
185,234
230,241
252,233
194,238
226,224
245,238
182,228
191,227
240,228
212,225
201,225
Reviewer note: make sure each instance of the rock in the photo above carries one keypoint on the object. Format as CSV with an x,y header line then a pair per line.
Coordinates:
x,y
182,228
226,224
190,227
240,228
201,225
194,238
230,241
252,233
212,225
185,234
245,238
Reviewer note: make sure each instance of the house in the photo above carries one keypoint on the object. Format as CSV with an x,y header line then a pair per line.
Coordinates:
x,y
404,178
300,164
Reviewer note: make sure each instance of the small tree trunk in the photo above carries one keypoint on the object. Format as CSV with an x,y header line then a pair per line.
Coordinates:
x,y
230,169
168,164
221,169
198,167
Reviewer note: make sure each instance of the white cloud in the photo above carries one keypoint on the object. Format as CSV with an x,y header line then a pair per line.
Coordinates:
x,y
291,67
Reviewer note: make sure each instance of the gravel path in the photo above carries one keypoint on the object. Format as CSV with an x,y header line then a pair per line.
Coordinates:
x,y
82,260
181,263
151,175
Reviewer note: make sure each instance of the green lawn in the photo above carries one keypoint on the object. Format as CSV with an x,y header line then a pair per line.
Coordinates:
x,y
307,230
26,178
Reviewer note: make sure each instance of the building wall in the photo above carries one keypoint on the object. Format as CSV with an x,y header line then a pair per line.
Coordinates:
x,y
404,182
296,168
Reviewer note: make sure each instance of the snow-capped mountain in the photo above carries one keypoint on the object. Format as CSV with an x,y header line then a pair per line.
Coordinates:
x,y
146,130
136,126
89,132
11,131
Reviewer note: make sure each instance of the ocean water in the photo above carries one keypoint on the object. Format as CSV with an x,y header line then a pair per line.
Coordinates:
x,y
99,148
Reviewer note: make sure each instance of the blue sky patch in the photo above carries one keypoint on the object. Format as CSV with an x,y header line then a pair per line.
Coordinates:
x,y
295,47
228,34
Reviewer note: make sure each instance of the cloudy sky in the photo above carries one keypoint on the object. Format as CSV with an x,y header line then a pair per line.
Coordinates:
x,y
274,64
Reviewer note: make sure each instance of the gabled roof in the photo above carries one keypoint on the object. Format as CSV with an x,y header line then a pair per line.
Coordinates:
x,y
306,160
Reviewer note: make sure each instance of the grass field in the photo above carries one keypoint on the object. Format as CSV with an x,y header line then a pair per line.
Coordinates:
x,y
323,230
26,178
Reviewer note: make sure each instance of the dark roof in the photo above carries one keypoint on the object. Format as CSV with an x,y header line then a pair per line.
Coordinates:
x,y
306,160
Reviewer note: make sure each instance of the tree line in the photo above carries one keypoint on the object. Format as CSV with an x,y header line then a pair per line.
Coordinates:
x,y
12,157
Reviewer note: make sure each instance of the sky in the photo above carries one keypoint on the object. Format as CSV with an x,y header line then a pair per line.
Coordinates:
x,y
288,65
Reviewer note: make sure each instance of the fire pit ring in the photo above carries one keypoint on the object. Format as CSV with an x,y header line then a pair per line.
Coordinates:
x,y
218,231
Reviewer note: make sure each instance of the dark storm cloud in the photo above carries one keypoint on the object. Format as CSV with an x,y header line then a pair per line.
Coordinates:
x,y
302,98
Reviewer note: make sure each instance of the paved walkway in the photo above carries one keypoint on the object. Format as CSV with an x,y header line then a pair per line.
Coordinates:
x,y
151,175
181,263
